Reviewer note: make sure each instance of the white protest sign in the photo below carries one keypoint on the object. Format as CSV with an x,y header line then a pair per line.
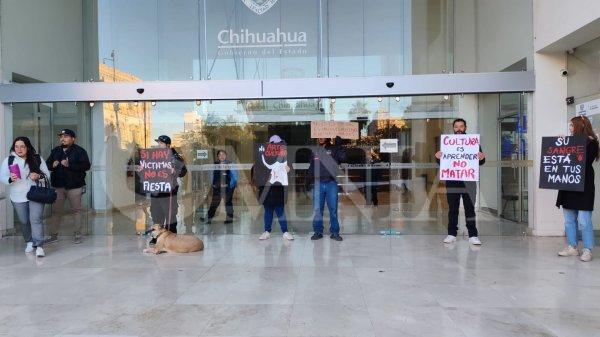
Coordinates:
x,y
459,161
331,129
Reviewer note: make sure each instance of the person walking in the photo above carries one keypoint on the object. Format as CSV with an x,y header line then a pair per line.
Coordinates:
x,y
224,181
323,172
68,164
22,169
578,206
467,190
272,194
164,206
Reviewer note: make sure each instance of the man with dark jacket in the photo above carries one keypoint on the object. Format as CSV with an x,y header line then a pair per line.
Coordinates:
x,y
467,190
68,164
164,206
223,183
323,171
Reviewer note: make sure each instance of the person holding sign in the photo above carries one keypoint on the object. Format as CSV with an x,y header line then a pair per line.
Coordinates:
x,y
163,204
462,184
272,180
578,206
323,171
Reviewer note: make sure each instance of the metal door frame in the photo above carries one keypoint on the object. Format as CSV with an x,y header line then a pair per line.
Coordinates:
x,y
406,85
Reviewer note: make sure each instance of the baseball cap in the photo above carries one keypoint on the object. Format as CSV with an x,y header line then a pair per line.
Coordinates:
x,y
67,132
164,139
275,139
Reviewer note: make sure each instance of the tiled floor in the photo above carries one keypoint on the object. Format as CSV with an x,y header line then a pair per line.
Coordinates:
x,y
364,286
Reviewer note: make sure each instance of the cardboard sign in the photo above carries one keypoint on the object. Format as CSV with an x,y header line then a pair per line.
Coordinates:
x,y
460,161
563,163
331,129
156,170
270,164
388,145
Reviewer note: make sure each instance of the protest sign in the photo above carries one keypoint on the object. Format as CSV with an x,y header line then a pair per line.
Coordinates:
x,y
331,129
270,164
459,161
563,163
156,170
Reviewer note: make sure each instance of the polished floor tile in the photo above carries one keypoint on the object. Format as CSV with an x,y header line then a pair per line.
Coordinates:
x,y
367,285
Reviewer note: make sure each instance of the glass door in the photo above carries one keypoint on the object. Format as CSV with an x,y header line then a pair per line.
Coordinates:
x,y
513,154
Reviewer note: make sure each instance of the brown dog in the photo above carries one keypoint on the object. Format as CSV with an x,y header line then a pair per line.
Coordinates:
x,y
167,241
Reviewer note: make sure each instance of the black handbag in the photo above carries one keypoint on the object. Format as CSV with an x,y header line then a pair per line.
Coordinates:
x,y
43,194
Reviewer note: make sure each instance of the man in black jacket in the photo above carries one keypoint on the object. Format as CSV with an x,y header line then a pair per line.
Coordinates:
x,y
164,206
323,171
68,164
467,190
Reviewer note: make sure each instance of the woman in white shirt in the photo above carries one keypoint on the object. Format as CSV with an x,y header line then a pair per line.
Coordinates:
x,y
30,169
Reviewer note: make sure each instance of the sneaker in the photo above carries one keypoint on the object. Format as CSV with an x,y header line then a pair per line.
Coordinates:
x,y
264,236
29,248
586,255
228,221
336,237
288,236
51,239
39,252
474,241
317,236
569,251
77,238
450,239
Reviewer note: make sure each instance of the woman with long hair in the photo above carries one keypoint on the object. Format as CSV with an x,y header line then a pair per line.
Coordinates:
x,y
21,170
578,206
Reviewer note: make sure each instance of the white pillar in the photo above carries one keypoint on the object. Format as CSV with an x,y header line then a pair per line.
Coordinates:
x,y
549,119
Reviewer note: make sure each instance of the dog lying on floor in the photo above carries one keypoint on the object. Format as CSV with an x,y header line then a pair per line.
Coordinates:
x,y
167,241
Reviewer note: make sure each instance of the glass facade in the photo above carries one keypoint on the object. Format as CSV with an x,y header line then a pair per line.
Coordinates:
x,y
148,40
379,193
199,40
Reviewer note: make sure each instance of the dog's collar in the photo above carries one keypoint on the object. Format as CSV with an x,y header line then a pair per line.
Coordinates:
x,y
160,234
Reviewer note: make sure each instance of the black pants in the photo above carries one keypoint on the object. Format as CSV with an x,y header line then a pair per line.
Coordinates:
x,y
371,194
468,198
163,209
218,194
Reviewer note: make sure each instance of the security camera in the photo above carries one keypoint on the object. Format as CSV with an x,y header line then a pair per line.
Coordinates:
x,y
140,90
564,73
389,84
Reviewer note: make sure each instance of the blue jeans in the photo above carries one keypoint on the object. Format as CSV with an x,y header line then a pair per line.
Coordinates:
x,y
30,215
326,191
280,211
587,229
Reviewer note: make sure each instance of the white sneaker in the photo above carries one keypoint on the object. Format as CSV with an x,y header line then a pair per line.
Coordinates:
x,y
569,251
474,241
39,252
450,239
586,255
264,236
29,248
288,236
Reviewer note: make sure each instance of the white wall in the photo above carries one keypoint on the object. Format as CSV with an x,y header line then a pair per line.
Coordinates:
x,y
42,39
550,119
504,32
555,20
